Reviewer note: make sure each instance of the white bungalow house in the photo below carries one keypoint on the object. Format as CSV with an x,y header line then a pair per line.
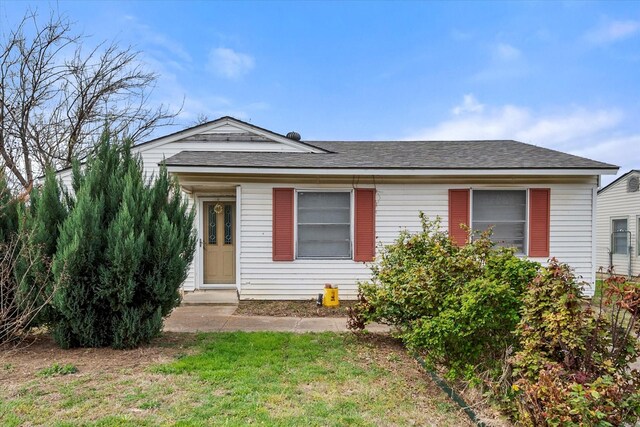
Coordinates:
x,y
618,220
279,216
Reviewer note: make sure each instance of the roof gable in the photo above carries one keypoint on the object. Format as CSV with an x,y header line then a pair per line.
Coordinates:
x,y
619,180
230,130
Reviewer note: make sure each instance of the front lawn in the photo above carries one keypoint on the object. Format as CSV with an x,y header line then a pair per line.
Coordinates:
x,y
224,379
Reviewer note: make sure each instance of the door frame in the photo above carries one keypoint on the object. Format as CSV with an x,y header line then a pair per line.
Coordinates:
x,y
200,236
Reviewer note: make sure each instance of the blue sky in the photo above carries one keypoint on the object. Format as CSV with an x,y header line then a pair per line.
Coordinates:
x,y
563,75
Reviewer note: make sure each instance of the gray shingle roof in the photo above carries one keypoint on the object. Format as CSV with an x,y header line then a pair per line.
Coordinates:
x,y
503,154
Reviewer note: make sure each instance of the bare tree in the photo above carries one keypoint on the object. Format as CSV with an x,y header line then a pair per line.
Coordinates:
x,y
18,311
200,119
56,97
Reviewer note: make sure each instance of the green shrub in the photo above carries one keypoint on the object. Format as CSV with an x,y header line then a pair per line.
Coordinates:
x,y
456,305
122,252
573,365
57,369
39,226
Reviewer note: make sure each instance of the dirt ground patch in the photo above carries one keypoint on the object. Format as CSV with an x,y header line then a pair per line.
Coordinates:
x,y
307,308
40,351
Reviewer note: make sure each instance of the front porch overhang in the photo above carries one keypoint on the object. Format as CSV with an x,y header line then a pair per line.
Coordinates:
x,y
389,172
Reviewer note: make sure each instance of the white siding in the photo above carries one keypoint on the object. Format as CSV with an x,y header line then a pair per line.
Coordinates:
x,y
65,178
616,202
571,233
263,278
397,207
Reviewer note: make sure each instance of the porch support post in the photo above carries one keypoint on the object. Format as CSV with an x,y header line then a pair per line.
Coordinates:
x,y
238,237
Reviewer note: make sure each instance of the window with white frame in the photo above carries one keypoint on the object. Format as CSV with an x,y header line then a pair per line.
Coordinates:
x,y
324,224
506,212
619,236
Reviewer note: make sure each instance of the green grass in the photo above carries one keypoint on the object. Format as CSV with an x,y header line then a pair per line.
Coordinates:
x,y
237,379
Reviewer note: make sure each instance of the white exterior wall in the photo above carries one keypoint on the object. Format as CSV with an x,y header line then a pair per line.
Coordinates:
x,y
398,206
616,203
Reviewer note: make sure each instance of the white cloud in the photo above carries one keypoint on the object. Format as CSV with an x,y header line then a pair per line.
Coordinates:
x,y
591,133
469,105
504,61
563,130
499,123
158,41
506,52
613,31
229,63
567,128
619,150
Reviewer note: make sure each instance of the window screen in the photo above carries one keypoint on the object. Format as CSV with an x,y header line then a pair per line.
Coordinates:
x,y
619,236
324,224
505,211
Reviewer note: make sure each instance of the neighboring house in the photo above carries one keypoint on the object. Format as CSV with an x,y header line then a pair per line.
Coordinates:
x,y
618,223
278,217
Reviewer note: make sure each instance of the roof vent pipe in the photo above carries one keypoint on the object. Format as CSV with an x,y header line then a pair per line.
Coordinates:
x,y
294,135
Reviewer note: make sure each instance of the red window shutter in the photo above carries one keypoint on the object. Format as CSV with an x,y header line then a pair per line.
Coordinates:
x,y
539,220
282,224
365,225
458,214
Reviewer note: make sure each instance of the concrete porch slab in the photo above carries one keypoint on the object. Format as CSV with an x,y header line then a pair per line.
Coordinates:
x,y
211,296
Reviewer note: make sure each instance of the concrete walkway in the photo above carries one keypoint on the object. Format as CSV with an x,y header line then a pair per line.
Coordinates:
x,y
220,318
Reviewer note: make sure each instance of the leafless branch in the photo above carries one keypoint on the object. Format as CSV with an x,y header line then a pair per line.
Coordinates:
x,y
17,311
56,96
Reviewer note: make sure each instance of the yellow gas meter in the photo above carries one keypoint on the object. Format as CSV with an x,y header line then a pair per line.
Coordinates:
x,y
330,296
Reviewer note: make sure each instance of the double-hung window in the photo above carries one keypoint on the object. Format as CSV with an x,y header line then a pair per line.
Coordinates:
x,y
324,224
506,212
619,236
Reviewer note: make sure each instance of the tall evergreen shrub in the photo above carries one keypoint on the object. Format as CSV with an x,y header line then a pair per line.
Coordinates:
x,y
39,229
122,253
